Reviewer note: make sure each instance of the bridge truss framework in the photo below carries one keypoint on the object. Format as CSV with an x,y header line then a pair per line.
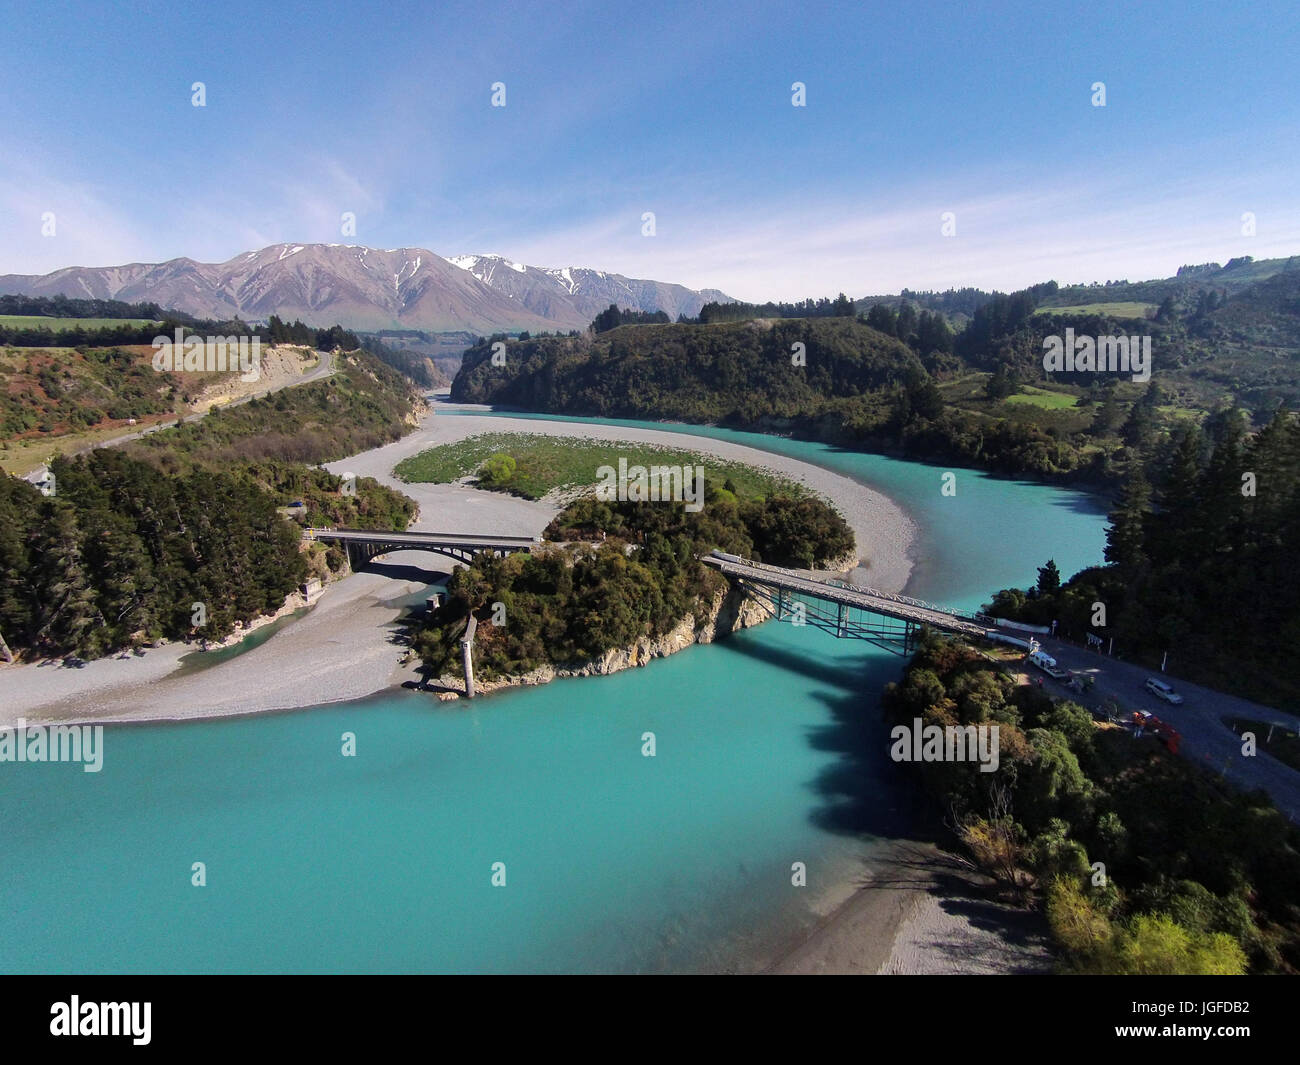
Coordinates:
x,y
896,635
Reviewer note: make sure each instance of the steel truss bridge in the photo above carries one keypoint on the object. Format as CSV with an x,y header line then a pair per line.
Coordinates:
x,y
893,622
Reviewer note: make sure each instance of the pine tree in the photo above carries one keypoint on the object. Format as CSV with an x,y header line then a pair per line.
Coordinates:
x,y
66,610
906,324
883,318
1176,528
20,506
1221,501
1107,418
1139,426
1049,578
1126,536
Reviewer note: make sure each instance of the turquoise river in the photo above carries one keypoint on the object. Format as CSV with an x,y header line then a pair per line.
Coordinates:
x,y
769,750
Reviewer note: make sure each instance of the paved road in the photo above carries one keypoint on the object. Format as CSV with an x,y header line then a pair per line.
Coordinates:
x,y
1198,720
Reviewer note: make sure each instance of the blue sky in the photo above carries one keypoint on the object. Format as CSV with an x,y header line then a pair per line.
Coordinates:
x,y
913,109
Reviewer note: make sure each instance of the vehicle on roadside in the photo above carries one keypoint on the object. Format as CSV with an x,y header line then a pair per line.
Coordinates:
x,y
1161,690
1047,664
1146,723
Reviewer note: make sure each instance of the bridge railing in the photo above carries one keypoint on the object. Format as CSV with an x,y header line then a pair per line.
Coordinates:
x,y
902,600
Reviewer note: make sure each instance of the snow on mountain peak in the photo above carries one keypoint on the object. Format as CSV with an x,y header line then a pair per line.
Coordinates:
x,y
471,263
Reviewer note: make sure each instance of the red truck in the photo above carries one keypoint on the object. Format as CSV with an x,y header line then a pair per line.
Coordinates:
x,y
1144,720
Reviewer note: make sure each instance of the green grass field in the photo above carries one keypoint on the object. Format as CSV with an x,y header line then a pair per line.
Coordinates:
x,y
36,321
547,462
1113,310
1040,397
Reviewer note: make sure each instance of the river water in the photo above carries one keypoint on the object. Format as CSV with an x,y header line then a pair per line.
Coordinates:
x,y
769,750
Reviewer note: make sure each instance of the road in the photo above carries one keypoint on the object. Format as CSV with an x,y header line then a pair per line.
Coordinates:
x,y
1198,720
323,370
893,606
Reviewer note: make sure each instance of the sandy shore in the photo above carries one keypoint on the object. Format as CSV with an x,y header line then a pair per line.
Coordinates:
x,y
884,531
343,648
918,910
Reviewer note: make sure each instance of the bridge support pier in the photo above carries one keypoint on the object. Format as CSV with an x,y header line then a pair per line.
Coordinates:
x,y
781,597
842,626
467,654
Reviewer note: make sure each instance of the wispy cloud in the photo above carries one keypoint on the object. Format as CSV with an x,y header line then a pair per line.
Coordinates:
x,y
779,246
87,228
1074,231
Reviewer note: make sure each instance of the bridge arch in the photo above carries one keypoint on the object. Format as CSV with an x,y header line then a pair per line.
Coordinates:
x,y
362,545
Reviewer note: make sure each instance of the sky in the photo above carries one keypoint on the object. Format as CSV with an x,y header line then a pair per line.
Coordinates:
x,y
978,118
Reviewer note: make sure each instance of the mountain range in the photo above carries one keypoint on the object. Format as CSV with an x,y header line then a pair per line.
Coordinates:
x,y
583,293
371,289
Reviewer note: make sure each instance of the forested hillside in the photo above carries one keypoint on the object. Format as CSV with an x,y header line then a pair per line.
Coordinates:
x,y
122,555
364,405
1215,538
1210,345
1198,877
730,372
833,378
956,377
136,535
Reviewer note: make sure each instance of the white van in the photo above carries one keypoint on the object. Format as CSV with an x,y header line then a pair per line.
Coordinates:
x,y
1161,690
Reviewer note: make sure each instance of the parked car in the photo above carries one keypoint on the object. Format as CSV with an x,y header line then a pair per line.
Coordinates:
x,y
1161,690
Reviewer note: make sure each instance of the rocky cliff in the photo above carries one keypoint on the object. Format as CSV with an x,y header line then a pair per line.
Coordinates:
x,y
729,612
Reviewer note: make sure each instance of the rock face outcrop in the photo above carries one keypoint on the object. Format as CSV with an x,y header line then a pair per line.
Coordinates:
x,y
729,612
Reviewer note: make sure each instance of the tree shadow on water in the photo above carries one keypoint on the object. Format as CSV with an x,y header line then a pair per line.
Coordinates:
x,y
862,792
822,670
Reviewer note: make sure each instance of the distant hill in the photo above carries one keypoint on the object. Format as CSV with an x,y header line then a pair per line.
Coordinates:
x,y
1227,279
959,305
363,289
1222,334
904,381
735,373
